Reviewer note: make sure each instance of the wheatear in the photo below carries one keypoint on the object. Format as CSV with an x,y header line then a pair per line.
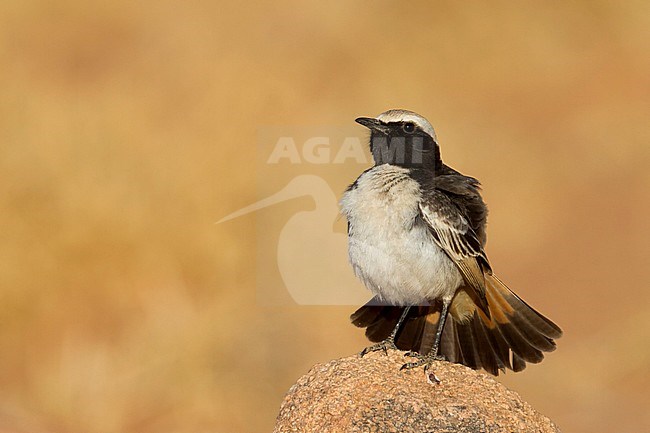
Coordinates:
x,y
416,231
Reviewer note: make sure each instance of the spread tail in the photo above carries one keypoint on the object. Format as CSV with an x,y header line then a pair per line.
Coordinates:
x,y
513,335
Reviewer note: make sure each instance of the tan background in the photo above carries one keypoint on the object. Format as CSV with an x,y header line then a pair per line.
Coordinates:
x,y
128,128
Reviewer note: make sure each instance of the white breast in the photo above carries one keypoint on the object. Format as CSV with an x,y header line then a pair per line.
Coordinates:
x,y
390,249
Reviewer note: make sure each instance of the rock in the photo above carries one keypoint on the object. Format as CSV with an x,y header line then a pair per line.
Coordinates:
x,y
371,394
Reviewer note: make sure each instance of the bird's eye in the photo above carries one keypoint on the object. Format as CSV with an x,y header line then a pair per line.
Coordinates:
x,y
408,127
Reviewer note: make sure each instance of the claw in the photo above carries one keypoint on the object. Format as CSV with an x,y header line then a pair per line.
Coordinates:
x,y
408,366
384,345
425,360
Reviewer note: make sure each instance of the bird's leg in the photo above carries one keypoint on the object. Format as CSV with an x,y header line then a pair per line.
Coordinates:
x,y
389,342
428,359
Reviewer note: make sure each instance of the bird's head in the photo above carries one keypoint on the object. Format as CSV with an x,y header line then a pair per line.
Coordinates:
x,y
402,137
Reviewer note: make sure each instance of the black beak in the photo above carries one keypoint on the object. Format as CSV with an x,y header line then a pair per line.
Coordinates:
x,y
373,124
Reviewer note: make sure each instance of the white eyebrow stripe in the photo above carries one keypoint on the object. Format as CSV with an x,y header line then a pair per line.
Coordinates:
x,y
408,116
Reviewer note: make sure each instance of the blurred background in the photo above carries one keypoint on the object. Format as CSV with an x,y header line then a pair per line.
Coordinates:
x,y
128,128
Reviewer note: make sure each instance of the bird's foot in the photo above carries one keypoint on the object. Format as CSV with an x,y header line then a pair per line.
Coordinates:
x,y
425,360
383,345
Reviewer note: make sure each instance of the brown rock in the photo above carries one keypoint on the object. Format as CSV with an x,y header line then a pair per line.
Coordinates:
x,y
371,394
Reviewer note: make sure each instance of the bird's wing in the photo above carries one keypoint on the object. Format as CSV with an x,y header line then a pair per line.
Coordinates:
x,y
453,233
467,194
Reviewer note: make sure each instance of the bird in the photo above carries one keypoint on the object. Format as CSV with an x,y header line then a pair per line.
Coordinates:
x,y
416,239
